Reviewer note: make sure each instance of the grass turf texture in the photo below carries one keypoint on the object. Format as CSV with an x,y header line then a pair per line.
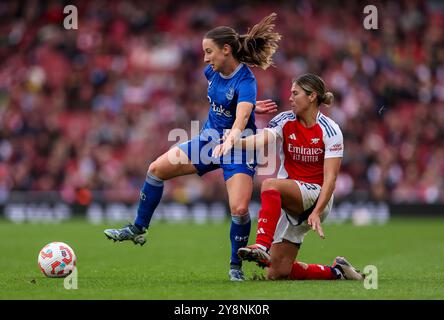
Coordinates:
x,y
187,261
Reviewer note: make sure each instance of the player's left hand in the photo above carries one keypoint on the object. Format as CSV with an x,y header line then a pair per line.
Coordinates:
x,y
265,106
222,149
315,222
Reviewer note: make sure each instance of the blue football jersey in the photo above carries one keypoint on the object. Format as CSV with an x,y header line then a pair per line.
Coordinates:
x,y
225,92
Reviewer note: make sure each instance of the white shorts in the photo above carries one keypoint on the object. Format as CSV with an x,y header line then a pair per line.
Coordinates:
x,y
290,228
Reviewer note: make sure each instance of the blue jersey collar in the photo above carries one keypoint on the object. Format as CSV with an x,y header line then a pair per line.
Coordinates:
x,y
234,72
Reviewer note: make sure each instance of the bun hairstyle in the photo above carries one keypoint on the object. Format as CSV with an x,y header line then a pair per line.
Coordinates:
x,y
328,99
255,48
312,83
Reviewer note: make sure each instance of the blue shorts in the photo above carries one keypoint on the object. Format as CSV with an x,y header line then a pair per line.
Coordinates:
x,y
199,151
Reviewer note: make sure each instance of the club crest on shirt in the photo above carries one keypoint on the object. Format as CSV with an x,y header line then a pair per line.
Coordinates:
x,y
314,140
250,165
230,94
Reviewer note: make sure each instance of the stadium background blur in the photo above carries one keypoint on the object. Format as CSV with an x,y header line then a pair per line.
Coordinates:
x,y
83,112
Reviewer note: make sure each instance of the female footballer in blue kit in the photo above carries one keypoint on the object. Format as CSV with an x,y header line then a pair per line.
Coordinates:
x,y
232,92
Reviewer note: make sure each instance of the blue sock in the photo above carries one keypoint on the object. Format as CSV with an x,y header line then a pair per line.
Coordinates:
x,y
150,196
239,233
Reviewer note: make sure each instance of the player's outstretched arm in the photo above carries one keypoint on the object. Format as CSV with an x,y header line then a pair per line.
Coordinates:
x,y
257,141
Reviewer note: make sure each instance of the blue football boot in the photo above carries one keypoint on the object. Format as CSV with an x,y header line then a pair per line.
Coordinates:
x,y
235,273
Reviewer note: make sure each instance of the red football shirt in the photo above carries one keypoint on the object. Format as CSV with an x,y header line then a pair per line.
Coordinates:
x,y
303,150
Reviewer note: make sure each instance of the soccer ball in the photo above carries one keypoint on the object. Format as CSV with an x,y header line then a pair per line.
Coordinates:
x,y
57,260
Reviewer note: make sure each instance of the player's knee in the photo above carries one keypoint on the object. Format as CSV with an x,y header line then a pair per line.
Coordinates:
x,y
155,169
280,269
274,273
239,210
268,184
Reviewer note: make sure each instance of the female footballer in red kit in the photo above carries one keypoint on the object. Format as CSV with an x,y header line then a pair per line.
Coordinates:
x,y
311,149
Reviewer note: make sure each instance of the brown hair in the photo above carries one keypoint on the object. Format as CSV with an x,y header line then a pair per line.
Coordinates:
x,y
313,83
255,48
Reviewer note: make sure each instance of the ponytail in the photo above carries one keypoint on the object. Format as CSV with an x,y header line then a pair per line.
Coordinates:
x,y
259,44
255,48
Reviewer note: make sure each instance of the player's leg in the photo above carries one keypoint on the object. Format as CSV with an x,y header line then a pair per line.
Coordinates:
x,y
240,188
275,194
284,266
297,200
172,163
284,255
288,238
288,233
163,168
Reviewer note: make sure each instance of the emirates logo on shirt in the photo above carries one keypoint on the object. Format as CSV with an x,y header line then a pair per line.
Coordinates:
x,y
303,150
301,153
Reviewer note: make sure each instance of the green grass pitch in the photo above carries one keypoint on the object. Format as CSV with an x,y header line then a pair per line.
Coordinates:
x,y
188,261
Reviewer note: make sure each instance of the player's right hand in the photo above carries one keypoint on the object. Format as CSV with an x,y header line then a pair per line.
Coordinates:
x,y
315,222
222,149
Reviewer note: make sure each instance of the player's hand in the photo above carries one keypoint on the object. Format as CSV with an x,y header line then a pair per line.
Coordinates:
x,y
225,135
265,107
315,222
222,149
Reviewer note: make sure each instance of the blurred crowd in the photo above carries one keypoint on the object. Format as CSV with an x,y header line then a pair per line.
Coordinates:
x,y
86,110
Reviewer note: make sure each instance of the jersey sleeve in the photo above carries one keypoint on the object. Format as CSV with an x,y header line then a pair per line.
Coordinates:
x,y
208,71
334,144
276,124
247,90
